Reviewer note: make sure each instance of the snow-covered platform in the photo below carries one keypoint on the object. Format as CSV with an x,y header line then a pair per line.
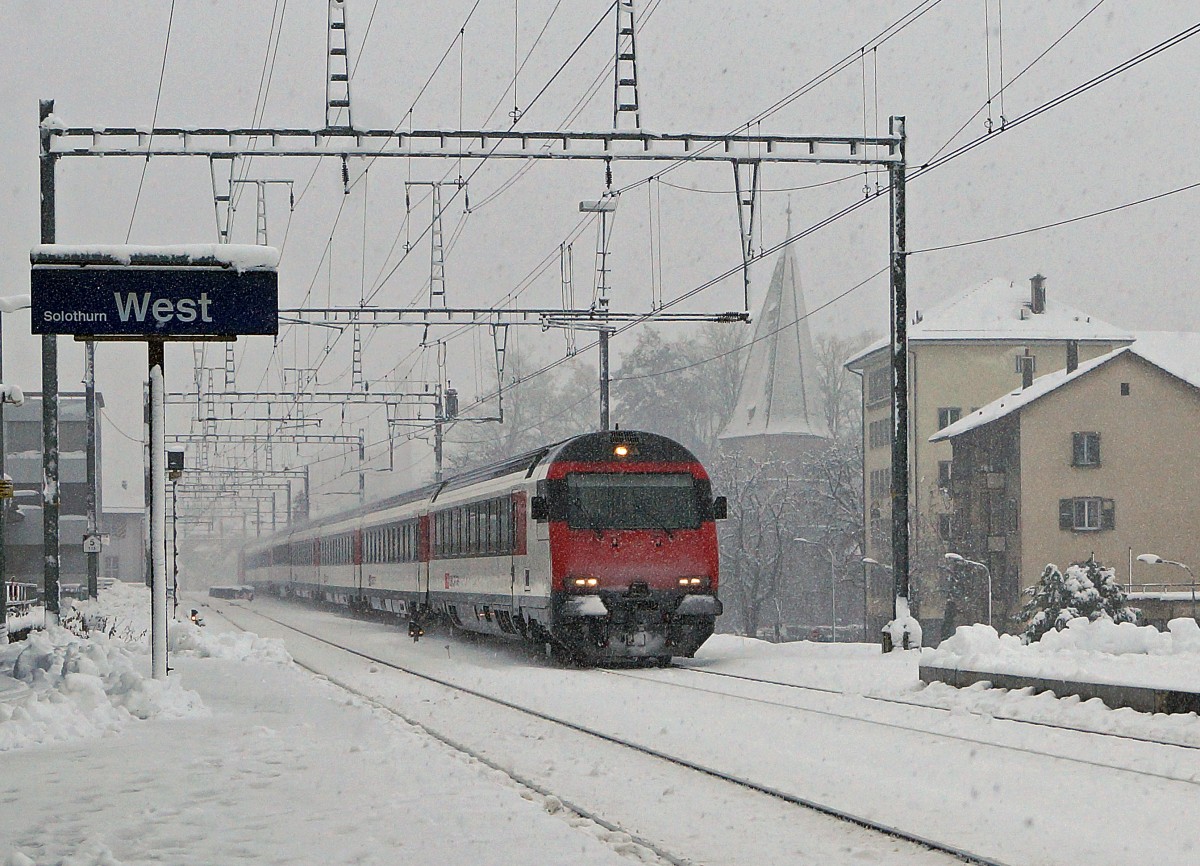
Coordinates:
x,y
1123,665
1114,695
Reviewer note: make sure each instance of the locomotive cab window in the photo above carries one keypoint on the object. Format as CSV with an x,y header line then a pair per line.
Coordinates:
x,y
604,500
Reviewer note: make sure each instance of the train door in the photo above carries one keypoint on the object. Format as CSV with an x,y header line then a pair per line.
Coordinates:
x,y
357,559
424,555
519,561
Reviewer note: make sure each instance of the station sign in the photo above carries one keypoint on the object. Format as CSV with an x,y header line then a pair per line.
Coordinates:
x,y
164,296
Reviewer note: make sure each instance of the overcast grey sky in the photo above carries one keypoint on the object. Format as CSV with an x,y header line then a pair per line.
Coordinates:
x,y
704,66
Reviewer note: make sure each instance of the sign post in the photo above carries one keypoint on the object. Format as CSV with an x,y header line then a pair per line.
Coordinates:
x,y
155,294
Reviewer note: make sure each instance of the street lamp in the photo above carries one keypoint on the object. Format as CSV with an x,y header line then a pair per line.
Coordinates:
x,y
832,586
954,557
175,472
868,561
1154,559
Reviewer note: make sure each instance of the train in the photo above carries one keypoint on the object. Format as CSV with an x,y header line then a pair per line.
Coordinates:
x,y
600,548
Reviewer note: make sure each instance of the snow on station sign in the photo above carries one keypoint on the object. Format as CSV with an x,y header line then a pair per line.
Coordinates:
x,y
178,291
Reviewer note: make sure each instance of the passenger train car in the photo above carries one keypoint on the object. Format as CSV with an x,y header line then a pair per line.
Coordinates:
x,y
602,547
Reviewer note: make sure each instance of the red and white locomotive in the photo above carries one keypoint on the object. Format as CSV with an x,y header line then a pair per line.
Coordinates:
x,y
601,547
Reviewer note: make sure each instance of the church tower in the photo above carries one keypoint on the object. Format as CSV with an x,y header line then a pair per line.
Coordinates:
x,y
779,414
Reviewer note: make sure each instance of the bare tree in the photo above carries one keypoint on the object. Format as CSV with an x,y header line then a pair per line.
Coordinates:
x,y
756,539
838,387
538,411
685,389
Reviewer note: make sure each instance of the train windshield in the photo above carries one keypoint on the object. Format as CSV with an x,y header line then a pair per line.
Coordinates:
x,y
605,500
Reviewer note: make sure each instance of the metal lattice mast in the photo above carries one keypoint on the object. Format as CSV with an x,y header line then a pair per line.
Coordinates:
x,y
260,213
625,87
437,253
337,67
356,366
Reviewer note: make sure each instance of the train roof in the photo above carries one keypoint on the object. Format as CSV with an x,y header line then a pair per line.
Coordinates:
x,y
651,447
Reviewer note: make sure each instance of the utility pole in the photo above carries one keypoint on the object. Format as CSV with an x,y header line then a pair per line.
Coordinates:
x,y
158,493
89,399
50,498
899,335
3,510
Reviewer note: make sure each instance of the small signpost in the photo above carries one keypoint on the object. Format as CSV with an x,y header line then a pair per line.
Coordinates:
x,y
154,294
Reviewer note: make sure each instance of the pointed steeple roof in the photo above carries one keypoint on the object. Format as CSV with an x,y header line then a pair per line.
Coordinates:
x,y
778,393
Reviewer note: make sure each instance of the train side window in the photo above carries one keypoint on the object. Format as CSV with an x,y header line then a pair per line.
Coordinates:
x,y
472,515
485,527
478,521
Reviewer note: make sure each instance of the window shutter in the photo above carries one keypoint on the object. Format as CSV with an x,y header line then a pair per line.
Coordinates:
x,y
1066,514
1077,449
1108,514
1096,449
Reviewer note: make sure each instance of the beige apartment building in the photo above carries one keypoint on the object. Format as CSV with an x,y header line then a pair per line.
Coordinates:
x,y
963,354
1097,461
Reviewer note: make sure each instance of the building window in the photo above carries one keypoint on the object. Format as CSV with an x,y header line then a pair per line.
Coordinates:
x,y
1085,449
944,474
879,386
879,433
1124,389
945,527
1087,514
881,483
947,415
112,566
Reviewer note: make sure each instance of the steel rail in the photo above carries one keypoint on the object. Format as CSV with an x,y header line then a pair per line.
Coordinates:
x,y
804,802
881,699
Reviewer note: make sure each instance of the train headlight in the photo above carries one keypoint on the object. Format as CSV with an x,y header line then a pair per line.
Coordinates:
x,y
586,581
693,581
621,451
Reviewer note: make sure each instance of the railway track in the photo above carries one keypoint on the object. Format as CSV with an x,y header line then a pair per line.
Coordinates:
x,y
866,823
886,700
651,677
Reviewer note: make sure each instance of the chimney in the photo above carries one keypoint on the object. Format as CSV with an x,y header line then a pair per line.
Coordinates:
x,y
1037,293
1072,355
1025,364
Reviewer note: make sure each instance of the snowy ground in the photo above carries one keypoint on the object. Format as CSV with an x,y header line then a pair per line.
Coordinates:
x,y
246,757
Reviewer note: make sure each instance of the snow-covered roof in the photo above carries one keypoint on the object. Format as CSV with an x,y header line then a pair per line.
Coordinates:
x,y
778,391
998,309
240,257
1175,352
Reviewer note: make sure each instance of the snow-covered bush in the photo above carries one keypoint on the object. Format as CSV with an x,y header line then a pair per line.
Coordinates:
x,y
63,687
1086,590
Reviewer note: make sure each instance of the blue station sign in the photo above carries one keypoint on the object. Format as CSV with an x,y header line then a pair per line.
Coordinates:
x,y
167,296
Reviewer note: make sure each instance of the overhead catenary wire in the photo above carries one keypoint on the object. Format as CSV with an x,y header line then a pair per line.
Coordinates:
x,y
1034,112
408,114
162,71
1028,115
1057,223
927,3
